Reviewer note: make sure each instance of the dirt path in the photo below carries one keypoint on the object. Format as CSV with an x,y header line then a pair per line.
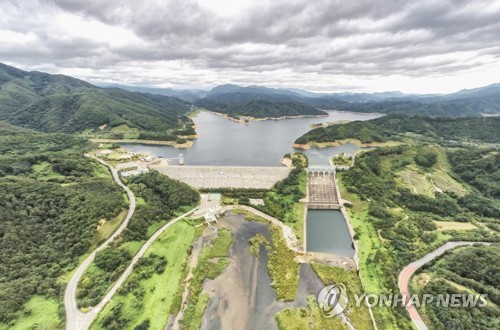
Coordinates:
x,y
75,319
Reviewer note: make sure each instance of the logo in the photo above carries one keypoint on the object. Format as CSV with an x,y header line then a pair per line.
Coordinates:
x,y
332,300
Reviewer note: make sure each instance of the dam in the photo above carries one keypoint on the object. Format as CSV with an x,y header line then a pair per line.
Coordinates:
x,y
207,177
326,229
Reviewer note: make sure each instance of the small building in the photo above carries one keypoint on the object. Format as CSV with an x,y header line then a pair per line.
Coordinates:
x,y
131,173
212,214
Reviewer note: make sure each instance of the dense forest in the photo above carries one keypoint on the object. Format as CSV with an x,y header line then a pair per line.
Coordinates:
x,y
472,268
406,222
164,197
57,103
391,127
51,200
258,105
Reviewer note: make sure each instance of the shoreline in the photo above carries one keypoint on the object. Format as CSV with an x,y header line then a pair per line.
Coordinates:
x,y
358,143
174,144
263,119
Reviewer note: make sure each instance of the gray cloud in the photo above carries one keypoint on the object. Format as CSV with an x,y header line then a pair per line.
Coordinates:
x,y
280,42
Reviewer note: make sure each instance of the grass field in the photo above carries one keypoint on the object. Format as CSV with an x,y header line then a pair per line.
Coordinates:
x,y
454,225
44,172
296,220
282,267
359,316
106,228
369,243
415,179
446,183
428,181
38,313
159,290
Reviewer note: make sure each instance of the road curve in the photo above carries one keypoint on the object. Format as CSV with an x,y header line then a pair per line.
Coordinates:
x,y
77,320
408,271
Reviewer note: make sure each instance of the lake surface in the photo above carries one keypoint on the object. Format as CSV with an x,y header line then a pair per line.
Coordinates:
x,y
327,232
261,143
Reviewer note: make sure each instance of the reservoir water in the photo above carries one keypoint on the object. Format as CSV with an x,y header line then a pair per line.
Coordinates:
x,y
261,143
327,232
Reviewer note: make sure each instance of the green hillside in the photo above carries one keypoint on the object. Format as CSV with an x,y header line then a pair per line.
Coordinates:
x,y
258,105
485,129
469,106
57,103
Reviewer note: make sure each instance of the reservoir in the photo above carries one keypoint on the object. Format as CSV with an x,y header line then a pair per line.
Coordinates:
x,y
261,143
327,232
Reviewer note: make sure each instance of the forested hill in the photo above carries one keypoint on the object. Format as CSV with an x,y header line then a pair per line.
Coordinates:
x,y
469,106
485,129
258,104
57,103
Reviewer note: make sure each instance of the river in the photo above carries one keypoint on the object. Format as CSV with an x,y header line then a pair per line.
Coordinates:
x,y
261,143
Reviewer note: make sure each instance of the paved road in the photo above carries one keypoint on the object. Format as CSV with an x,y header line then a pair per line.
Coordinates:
x,y
77,320
408,271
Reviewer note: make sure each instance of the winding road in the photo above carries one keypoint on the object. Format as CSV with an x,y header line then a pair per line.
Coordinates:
x,y
76,319
408,271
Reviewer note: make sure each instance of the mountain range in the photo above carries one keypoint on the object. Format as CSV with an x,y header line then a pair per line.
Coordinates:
x,y
58,103
245,101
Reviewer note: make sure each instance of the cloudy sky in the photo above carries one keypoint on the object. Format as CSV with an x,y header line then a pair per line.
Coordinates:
x,y
422,46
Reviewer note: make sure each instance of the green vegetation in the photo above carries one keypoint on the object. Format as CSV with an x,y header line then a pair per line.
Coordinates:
x,y
359,316
51,204
467,270
281,202
38,313
108,265
474,104
282,267
396,226
342,160
257,105
212,262
307,318
164,198
298,159
480,168
56,103
152,288
425,157
256,242
394,127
